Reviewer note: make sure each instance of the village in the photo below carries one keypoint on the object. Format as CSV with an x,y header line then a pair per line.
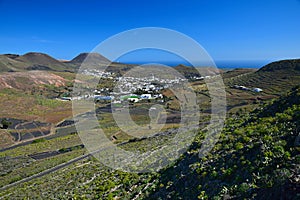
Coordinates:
x,y
130,89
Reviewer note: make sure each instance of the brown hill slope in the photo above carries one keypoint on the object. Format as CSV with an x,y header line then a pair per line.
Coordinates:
x,y
8,63
90,58
27,80
38,58
32,61
41,61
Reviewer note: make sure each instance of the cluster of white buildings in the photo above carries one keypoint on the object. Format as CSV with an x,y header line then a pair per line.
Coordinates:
x,y
133,89
151,84
98,73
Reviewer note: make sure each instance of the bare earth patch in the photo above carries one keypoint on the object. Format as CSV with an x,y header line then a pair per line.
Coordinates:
x,y
25,80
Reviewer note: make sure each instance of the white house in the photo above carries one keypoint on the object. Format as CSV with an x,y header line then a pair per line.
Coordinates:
x,y
257,90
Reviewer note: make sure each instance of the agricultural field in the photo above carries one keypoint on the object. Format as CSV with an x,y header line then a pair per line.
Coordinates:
x,y
42,155
252,160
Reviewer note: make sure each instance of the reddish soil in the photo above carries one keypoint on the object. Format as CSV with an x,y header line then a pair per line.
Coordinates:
x,y
26,80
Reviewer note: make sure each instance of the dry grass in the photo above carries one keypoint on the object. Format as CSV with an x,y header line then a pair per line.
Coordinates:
x,y
5,139
27,107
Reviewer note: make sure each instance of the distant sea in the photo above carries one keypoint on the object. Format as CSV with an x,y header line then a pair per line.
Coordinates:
x,y
220,64
241,64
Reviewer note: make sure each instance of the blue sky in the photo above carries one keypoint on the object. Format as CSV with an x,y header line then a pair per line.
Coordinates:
x,y
264,30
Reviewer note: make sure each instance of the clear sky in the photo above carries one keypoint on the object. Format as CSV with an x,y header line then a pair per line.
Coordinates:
x,y
229,30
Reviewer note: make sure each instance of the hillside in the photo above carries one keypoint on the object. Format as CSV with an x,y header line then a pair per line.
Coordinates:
x,y
237,72
31,61
275,78
93,58
292,65
28,80
7,63
41,61
257,157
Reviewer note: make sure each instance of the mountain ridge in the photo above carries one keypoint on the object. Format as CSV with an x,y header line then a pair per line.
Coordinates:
x,y
292,64
90,57
42,61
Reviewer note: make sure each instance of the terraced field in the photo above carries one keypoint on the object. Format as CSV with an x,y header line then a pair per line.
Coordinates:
x,y
272,83
254,159
49,160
